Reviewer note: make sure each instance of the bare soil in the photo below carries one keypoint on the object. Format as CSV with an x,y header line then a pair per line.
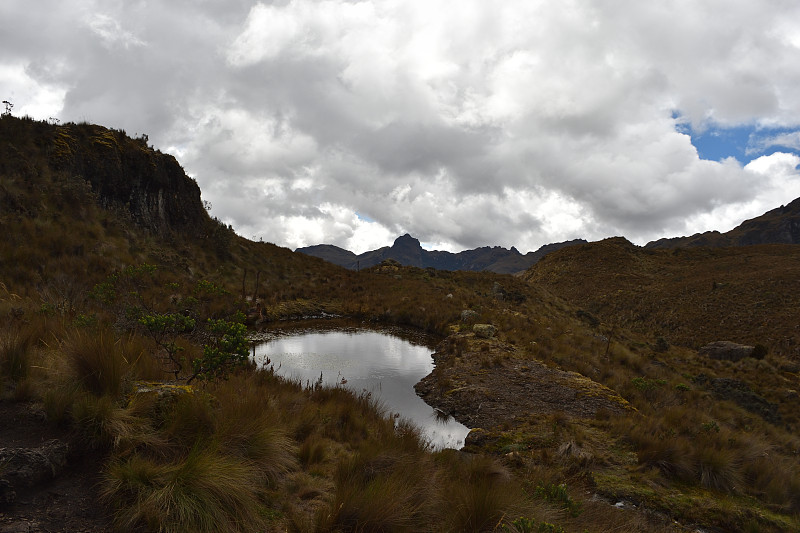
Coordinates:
x,y
67,499
485,383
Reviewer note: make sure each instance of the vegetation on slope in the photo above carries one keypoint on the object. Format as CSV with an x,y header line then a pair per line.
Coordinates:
x,y
104,313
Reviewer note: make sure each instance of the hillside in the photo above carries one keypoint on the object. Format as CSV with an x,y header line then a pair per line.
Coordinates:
x,y
778,226
689,296
127,401
408,252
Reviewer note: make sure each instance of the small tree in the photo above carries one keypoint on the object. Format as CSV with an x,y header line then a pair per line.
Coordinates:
x,y
165,329
227,351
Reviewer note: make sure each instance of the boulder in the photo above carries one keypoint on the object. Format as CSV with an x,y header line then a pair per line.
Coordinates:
x,y
27,467
484,331
468,315
727,351
477,437
741,394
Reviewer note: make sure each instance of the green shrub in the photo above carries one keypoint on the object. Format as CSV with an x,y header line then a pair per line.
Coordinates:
x,y
559,495
227,351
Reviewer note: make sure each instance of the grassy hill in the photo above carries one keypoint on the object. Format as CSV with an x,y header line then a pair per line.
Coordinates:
x,y
118,337
688,296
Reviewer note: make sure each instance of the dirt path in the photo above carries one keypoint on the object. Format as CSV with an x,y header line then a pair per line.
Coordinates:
x,y
48,483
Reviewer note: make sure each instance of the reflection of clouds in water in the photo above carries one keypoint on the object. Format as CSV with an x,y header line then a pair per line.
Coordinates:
x,y
313,360
382,364
362,354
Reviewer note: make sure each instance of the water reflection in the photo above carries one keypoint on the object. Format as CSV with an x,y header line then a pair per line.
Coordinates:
x,y
364,360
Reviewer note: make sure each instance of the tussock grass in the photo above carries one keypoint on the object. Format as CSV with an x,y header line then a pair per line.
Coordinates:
x,y
18,361
16,356
481,496
97,361
247,426
103,424
205,492
719,468
188,419
379,490
312,451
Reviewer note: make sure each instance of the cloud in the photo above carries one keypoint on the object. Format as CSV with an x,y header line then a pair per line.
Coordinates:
x,y
463,123
759,144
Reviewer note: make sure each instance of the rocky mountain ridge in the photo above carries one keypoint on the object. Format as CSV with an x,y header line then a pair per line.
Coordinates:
x,y
409,252
777,226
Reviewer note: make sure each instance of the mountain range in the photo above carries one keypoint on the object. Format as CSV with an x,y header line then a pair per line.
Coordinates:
x,y
777,226
409,252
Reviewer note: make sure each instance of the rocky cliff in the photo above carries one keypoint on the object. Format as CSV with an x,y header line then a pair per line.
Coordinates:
x,y
125,172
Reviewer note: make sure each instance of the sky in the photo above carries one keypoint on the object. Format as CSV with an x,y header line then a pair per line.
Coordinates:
x,y
464,123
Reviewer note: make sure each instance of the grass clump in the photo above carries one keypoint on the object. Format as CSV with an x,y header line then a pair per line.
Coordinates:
x,y
481,494
204,492
380,490
16,355
97,361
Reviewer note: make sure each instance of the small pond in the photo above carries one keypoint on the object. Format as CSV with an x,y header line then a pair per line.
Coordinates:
x,y
387,363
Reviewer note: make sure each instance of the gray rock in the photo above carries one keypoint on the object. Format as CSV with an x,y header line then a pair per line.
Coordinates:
x,y
484,331
468,314
740,393
26,467
727,351
477,437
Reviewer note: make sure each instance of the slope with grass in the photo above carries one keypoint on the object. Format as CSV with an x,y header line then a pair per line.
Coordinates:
x,y
689,296
108,308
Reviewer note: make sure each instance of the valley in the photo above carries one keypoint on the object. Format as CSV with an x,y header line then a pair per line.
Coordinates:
x,y
123,308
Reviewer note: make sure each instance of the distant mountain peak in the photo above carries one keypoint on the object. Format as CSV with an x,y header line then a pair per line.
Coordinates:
x,y
408,251
406,241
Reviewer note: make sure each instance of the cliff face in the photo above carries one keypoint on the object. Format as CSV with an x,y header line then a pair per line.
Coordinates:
x,y
126,173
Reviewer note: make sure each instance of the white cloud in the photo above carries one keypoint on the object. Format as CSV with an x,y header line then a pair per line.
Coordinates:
x,y
29,96
464,123
784,140
111,31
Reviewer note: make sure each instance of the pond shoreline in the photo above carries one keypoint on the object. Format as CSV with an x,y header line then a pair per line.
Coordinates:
x,y
385,361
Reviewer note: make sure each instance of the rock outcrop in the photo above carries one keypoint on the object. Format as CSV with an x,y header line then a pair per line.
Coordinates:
x,y
27,467
126,173
727,351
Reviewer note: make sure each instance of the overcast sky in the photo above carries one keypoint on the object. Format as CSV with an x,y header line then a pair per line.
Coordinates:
x,y
464,123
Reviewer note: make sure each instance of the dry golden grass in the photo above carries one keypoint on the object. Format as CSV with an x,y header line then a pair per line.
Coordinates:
x,y
259,452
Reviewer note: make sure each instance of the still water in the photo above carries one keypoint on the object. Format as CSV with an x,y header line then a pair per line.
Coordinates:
x,y
380,362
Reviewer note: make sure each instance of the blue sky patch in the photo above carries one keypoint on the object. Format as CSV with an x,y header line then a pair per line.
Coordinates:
x,y
744,143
